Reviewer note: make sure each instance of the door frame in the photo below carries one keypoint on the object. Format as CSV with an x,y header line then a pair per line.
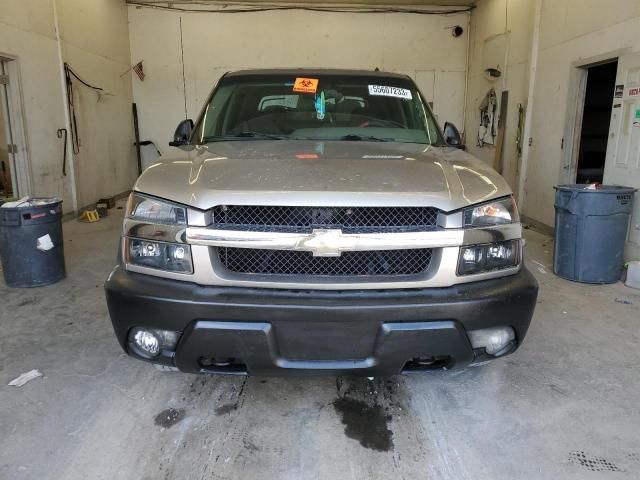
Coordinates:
x,y
11,98
575,110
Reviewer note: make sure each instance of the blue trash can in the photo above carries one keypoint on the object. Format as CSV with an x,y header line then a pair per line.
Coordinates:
x,y
590,232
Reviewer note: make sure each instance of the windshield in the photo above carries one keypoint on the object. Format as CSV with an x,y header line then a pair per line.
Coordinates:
x,y
321,107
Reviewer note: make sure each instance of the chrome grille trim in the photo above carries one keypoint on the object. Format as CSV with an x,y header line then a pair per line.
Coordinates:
x,y
333,242
326,243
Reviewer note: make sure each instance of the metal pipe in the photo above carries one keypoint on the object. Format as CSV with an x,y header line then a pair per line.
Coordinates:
x,y
65,101
535,44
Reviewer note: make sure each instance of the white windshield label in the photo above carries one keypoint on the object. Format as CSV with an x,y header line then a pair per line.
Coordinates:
x,y
390,91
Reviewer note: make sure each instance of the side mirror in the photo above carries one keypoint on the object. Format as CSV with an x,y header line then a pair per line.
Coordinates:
x,y
182,133
452,136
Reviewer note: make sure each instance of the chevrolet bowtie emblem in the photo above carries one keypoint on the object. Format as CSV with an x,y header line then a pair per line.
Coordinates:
x,y
327,243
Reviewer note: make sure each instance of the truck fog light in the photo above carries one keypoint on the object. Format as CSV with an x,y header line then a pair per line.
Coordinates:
x,y
148,342
493,340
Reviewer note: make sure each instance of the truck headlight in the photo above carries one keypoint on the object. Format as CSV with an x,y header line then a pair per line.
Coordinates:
x,y
172,257
496,212
488,257
153,236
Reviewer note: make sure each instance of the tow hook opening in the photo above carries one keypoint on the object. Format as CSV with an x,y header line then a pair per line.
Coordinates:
x,y
215,364
216,361
418,364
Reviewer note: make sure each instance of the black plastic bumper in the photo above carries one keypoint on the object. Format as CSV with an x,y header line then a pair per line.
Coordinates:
x,y
279,332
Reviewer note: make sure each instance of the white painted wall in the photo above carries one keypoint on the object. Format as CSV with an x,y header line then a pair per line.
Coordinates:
x,y
95,42
512,19
214,43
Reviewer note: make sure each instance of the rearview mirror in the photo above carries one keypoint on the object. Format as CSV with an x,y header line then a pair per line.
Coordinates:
x,y
452,136
182,133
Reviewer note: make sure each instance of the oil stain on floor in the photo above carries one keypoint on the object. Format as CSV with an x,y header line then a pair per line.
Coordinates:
x,y
169,417
365,423
226,408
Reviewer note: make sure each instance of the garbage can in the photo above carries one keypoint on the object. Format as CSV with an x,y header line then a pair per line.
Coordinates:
x,y
31,245
590,232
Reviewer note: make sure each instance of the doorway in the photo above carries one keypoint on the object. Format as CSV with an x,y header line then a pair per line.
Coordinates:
x,y
596,116
6,184
15,178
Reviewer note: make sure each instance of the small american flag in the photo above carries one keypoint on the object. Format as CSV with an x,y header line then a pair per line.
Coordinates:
x,y
139,70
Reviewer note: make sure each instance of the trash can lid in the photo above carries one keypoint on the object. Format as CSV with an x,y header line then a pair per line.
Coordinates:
x,y
30,202
583,187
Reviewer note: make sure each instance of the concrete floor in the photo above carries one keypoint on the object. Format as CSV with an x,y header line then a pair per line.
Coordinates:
x,y
566,404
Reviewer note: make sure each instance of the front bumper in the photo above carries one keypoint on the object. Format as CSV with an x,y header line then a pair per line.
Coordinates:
x,y
280,332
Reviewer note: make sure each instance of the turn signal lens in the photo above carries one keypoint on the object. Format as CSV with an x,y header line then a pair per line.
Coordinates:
x,y
497,212
151,210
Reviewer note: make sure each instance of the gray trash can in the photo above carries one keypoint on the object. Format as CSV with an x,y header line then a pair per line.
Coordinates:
x,y
590,232
31,245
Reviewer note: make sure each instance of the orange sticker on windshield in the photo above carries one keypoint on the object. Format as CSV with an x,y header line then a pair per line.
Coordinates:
x,y
305,85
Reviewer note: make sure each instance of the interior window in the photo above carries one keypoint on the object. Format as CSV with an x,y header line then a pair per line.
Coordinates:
x,y
274,101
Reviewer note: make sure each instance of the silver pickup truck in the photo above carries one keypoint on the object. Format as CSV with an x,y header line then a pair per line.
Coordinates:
x,y
319,221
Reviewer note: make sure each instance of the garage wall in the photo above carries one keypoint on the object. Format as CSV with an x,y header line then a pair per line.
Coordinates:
x,y
213,43
27,32
570,30
95,42
497,24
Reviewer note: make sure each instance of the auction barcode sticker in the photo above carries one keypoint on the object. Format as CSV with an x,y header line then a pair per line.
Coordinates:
x,y
390,92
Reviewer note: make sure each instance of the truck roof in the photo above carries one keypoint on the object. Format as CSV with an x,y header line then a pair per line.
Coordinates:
x,y
310,72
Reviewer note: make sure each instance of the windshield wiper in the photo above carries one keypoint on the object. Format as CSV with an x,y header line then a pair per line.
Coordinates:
x,y
242,135
349,137
257,135
366,138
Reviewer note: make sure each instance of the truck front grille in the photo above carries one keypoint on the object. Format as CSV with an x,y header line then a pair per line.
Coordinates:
x,y
266,218
349,264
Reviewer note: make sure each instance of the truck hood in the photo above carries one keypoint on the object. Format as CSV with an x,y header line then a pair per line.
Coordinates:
x,y
321,173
